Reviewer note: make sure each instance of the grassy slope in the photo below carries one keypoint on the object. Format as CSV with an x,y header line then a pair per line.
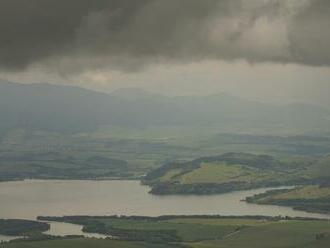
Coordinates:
x,y
214,172
307,192
223,173
312,198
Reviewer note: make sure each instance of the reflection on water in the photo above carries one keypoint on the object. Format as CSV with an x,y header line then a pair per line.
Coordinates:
x,y
4,238
31,198
63,229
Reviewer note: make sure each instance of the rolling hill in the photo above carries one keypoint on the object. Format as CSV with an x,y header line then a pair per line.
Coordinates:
x,y
234,171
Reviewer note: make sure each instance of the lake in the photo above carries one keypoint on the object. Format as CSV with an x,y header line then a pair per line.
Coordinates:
x,y
4,238
31,198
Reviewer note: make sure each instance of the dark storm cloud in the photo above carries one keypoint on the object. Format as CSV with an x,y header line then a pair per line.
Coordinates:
x,y
128,34
36,29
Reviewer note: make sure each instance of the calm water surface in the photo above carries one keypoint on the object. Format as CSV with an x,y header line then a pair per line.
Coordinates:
x,y
4,238
31,198
63,229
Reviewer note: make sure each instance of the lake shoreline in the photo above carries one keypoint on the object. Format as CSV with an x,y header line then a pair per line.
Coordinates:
x,y
71,179
124,197
127,199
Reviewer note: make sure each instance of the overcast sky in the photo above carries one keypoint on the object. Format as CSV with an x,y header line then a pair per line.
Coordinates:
x,y
270,50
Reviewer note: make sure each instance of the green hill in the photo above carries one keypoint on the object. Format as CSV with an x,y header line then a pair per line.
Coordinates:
x,y
312,198
218,174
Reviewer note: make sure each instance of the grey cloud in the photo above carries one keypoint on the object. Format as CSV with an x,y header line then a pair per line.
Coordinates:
x,y
128,34
309,34
33,30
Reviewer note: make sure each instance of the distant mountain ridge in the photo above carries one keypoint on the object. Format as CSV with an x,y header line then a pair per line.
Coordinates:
x,y
73,109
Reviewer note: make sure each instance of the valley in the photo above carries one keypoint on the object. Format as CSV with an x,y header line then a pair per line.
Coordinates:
x,y
169,178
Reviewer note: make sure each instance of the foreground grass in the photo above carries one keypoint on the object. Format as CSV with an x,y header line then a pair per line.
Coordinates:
x,y
202,231
305,234
81,243
21,227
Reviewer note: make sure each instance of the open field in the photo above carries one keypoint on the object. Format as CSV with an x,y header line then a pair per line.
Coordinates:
x,y
276,235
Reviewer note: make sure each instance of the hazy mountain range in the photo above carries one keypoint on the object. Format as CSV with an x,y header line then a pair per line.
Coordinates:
x,y
73,109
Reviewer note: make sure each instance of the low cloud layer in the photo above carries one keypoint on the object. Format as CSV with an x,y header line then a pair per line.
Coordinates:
x,y
74,35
